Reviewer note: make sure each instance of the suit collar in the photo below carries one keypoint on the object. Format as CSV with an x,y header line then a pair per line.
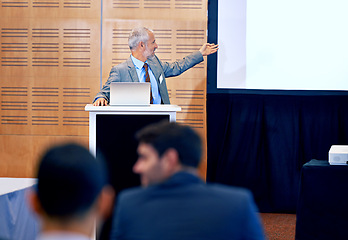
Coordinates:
x,y
153,63
132,71
181,178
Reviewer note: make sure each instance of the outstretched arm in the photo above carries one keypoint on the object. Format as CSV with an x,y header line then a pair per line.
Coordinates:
x,y
178,67
208,48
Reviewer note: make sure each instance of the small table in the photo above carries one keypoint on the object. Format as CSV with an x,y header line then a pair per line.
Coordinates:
x,y
322,211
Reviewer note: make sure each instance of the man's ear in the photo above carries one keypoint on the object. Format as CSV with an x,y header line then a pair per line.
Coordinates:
x,y
172,158
106,202
34,202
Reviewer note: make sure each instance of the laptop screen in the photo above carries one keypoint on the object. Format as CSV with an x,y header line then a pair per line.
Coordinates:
x,y
129,93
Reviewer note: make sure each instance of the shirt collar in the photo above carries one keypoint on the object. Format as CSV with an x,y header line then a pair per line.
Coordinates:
x,y
137,63
61,235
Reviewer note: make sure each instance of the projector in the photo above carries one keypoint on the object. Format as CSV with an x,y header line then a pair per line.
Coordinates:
x,y
338,155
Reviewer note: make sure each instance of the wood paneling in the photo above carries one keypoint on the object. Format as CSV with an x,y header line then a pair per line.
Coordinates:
x,y
155,9
53,9
50,69
43,108
50,48
20,153
50,66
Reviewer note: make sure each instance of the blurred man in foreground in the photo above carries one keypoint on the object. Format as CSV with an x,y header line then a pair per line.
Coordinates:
x,y
71,194
173,202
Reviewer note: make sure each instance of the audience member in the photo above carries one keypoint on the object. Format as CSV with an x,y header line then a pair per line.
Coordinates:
x,y
173,202
71,195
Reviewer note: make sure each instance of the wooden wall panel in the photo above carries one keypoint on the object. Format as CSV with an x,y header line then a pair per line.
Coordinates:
x,y
50,77
50,69
44,108
180,28
50,48
19,154
50,66
53,9
155,9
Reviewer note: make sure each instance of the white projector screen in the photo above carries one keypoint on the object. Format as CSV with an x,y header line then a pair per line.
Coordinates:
x,y
283,44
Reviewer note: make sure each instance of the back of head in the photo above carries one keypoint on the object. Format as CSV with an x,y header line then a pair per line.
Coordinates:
x,y
69,181
137,35
183,139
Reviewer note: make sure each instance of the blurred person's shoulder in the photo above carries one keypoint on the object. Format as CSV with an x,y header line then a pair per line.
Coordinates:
x,y
226,191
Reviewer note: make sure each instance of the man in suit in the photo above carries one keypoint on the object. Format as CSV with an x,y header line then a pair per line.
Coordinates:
x,y
71,195
142,44
173,202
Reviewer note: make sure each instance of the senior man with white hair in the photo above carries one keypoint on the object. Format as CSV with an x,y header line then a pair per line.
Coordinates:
x,y
143,65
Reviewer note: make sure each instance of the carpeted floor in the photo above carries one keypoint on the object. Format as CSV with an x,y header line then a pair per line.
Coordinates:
x,y
279,226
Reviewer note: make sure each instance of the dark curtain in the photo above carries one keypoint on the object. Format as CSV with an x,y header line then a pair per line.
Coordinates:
x,y
261,141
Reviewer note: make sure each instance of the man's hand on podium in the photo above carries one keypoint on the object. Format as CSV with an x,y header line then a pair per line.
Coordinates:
x,y
100,102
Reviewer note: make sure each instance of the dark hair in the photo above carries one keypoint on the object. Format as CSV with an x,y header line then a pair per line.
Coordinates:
x,y
183,139
69,180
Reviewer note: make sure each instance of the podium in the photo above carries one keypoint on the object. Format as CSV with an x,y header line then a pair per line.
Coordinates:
x,y
112,136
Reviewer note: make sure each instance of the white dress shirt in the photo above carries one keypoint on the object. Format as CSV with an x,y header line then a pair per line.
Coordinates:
x,y
62,236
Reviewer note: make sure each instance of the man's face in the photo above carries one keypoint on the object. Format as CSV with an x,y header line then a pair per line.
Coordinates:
x,y
150,46
149,165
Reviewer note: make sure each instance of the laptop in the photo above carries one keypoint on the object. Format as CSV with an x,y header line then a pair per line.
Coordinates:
x,y
130,94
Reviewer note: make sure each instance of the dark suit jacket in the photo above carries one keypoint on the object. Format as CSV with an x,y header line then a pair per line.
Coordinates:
x,y
125,72
184,207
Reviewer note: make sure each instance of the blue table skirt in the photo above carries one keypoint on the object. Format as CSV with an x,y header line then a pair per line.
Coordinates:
x,y
17,221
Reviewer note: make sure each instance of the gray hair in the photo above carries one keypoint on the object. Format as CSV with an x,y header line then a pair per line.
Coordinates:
x,y
137,35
